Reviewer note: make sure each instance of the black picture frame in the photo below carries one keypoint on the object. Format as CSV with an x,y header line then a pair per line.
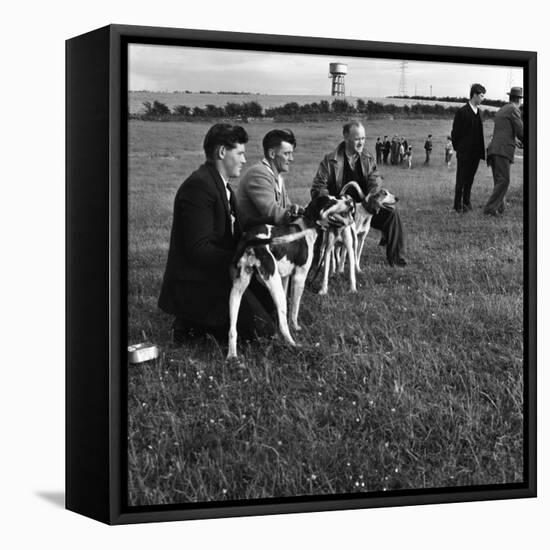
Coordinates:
x,y
96,268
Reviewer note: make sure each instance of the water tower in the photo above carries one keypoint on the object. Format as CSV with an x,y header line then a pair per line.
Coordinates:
x,y
337,73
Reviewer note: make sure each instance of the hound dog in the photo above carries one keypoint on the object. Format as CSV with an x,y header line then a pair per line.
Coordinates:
x,y
365,208
276,254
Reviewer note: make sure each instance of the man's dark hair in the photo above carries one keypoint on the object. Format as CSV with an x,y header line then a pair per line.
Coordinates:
x,y
223,134
274,138
477,89
349,125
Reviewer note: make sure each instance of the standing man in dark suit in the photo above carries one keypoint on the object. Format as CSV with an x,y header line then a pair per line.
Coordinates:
x,y
205,231
500,153
469,144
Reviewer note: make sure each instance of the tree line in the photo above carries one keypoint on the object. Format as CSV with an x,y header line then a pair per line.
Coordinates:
x,y
157,110
449,99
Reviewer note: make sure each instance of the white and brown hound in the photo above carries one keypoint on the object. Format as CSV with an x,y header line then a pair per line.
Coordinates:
x,y
276,254
365,208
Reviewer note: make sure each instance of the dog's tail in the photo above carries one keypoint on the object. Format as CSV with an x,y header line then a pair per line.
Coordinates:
x,y
291,237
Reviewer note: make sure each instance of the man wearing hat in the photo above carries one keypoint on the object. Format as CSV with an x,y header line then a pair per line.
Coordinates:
x,y
500,153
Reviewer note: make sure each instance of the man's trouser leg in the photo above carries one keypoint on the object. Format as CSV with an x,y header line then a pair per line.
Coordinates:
x,y
472,169
501,177
389,222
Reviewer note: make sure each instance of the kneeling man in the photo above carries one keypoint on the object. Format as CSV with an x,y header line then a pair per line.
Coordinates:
x,y
350,162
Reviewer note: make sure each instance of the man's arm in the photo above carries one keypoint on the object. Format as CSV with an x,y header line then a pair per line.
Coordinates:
x,y
517,123
197,211
259,189
320,181
456,132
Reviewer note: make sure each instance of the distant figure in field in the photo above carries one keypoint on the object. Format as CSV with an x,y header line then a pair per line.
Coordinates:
x,y
428,146
394,154
448,151
500,153
401,151
387,149
409,156
350,162
469,144
378,148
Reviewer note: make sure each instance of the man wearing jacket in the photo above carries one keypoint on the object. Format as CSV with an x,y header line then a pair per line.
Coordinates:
x,y
500,153
349,162
469,144
205,230
262,195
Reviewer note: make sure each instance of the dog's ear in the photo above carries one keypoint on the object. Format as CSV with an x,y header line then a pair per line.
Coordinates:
x,y
314,208
373,203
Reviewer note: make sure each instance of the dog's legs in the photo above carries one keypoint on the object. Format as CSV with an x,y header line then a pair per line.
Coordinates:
x,y
285,280
361,243
348,241
298,282
328,251
240,284
342,253
275,287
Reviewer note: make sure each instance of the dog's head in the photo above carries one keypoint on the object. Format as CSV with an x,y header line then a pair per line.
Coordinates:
x,y
379,198
328,210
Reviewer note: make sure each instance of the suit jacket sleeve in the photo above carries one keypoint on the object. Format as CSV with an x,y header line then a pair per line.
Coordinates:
x,y
321,179
196,210
457,132
260,191
517,124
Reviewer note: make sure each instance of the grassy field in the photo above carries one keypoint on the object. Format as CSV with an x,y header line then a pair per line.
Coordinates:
x,y
413,382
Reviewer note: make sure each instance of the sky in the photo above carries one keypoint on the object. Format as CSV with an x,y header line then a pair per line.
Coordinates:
x,y
176,68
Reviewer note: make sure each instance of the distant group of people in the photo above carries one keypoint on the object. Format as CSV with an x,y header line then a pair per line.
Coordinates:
x,y
397,151
209,217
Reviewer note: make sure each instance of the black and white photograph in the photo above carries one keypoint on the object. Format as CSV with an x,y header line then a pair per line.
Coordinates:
x,y
275,275
326,276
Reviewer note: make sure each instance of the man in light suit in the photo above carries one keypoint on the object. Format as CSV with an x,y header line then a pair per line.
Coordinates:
x,y
500,153
262,195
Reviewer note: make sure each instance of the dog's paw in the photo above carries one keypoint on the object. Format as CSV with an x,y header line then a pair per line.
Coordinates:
x,y
235,362
323,291
297,328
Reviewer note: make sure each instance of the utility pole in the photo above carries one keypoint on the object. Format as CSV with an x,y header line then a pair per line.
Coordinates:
x,y
403,79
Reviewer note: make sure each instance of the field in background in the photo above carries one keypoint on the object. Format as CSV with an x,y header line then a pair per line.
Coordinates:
x,y
171,99
413,382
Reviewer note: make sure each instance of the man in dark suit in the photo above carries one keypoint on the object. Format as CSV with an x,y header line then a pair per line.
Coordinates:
x,y
205,231
469,144
350,162
500,153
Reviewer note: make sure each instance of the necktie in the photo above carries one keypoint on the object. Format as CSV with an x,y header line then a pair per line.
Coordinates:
x,y
232,209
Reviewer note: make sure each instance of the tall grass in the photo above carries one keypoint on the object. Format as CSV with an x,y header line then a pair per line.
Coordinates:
x,y
413,382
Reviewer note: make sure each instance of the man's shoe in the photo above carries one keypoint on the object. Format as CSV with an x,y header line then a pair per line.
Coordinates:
x,y
401,262
383,241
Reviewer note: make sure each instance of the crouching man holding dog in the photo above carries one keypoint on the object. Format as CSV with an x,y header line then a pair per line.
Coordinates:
x,y
206,228
262,195
350,162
